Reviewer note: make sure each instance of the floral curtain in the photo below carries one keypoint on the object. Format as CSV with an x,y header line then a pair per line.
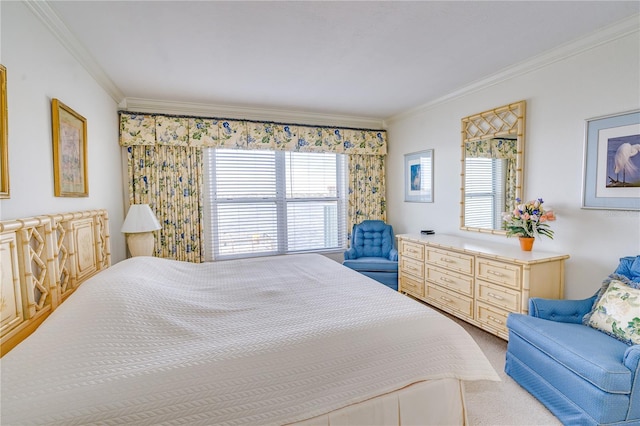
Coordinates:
x,y
366,190
169,178
504,149
165,167
147,129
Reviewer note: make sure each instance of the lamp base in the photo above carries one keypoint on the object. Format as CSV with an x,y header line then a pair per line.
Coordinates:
x,y
140,244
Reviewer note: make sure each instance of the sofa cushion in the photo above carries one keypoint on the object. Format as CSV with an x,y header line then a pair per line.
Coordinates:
x,y
605,285
372,238
629,267
377,264
617,313
628,271
588,353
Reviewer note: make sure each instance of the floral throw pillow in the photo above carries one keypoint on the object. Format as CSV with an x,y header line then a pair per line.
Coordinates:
x,y
617,313
604,287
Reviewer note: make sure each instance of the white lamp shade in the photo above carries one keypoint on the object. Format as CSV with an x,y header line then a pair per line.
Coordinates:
x,y
140,218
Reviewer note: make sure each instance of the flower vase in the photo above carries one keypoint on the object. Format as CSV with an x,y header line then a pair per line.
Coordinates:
x,y
526,243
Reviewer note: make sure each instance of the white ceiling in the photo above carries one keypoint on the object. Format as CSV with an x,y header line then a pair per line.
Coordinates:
x,y
373,59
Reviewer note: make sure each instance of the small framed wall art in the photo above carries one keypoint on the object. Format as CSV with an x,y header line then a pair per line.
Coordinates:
x,y
418,177
612,162
69,151
4,135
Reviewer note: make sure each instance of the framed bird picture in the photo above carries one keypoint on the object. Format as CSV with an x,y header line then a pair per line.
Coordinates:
x,y
612,162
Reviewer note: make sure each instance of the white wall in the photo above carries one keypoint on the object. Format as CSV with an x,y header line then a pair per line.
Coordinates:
x,y
39,69
600,81
560,97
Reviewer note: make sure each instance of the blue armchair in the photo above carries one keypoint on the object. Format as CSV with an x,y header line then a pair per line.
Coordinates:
x,y
372,252
582,375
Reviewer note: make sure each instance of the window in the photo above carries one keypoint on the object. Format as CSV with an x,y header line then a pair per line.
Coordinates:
x,y
273,202
484,196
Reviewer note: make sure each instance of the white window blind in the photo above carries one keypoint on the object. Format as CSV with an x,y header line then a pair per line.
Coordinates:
x,y
264,202
484,194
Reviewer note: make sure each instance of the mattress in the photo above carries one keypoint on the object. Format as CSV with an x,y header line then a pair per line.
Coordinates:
x,y
272,340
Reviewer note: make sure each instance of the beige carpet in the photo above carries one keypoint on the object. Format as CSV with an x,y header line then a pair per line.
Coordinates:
x,y
502,403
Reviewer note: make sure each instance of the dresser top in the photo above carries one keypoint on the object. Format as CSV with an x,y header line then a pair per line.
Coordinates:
x,y
509,251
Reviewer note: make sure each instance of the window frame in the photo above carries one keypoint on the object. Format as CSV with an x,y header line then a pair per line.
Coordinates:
x,y
497,178
281,200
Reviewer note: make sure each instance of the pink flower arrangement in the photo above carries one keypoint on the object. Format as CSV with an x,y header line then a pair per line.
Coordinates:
x,y
529,219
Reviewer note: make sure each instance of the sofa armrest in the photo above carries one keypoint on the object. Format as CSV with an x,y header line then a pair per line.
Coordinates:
x,y
393,255
350,254
570,311
631,360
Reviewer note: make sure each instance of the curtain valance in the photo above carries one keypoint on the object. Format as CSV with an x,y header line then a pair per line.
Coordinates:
x,y
504,149
151,129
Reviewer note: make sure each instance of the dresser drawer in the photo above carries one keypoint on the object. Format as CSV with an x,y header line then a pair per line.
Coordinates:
x,y
411,285
411,266
459,303
412,250
499,272
451,260
492,317
497,295
481,283
451,280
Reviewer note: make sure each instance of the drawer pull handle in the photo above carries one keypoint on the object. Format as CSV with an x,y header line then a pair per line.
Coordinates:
x,y
446,280
495,296
447,260
496,273
445,299
494,319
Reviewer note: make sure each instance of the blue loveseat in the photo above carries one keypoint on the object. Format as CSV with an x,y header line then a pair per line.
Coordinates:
x,y
582,375
372,252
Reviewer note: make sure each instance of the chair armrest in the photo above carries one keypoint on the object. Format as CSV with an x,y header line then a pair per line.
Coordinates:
x,y
393,255
350,254
570,311
632,358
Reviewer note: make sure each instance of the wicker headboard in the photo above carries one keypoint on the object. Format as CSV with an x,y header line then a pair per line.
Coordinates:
x,y
43,260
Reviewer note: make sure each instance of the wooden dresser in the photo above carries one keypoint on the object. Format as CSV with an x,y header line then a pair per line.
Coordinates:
x,y
479,282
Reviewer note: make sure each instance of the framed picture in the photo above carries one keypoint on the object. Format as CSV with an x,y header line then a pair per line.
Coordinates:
x,y
418,177
612,162
69,151
4,135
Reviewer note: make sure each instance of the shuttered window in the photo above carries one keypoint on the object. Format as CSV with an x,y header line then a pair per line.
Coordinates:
x,y
264,202
484,195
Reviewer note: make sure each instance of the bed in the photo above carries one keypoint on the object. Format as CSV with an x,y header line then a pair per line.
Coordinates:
x,y
296,339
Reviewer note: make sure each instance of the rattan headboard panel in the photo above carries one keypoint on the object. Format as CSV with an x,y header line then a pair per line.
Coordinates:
x,y
43,260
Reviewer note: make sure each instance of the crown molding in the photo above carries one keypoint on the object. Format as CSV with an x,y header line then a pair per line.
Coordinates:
x,y
43,11
247,113
606,35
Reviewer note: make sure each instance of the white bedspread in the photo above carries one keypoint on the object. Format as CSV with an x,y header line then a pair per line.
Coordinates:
x,y
263,341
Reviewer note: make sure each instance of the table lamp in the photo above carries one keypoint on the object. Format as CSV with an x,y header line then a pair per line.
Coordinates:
x,y
139,225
